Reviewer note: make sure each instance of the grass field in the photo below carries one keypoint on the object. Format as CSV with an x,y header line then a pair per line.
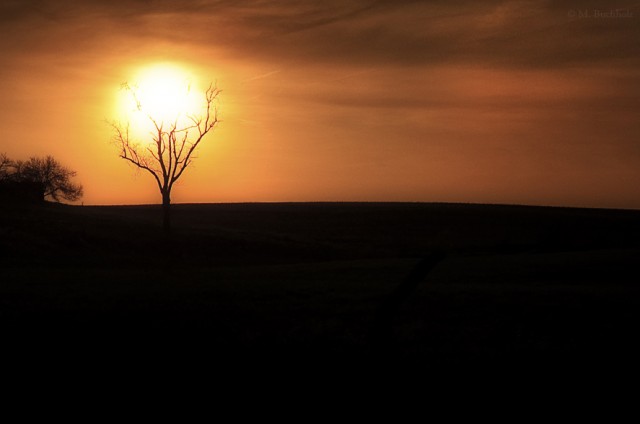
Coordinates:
x,y
312,281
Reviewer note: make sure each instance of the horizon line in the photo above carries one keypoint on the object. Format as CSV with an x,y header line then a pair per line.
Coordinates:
x,y
407,202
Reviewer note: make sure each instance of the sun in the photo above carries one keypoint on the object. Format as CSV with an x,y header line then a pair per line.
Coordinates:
x,y
159,92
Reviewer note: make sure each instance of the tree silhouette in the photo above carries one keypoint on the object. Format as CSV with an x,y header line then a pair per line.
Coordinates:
x,y
5,165
54,178
172,145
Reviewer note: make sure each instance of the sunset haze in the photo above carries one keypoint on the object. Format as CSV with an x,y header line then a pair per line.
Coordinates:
x,y
519,102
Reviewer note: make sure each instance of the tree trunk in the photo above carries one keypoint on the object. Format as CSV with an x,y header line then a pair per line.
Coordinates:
x,y
166,212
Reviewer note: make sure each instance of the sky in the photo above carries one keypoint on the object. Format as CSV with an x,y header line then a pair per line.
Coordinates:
x,y
518,102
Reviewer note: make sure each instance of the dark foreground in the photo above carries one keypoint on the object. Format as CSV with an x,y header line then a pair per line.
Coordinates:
x,y
321,284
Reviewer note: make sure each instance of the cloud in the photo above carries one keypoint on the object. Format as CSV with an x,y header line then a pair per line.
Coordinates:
x,y
419,33
366,32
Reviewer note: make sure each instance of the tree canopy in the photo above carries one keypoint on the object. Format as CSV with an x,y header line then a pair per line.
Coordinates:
x,y
54,178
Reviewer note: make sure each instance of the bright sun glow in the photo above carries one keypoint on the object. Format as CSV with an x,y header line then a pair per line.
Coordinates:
x,y
163,92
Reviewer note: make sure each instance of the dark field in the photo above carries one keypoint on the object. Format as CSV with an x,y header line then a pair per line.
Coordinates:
x,y
326,282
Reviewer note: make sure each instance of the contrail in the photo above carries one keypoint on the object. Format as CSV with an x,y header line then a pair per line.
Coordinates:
x,y
268,74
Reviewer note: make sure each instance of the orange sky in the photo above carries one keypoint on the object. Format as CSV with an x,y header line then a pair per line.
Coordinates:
x,y
528,102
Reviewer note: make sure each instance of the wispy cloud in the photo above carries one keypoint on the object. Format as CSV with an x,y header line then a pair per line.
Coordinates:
x,y
261,76
407,32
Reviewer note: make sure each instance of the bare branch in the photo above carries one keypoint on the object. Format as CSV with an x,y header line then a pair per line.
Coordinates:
x,y
5,165
172,145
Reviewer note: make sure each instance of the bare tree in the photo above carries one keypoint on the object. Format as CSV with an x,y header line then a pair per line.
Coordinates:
x,y
5,165
172,145
54,178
